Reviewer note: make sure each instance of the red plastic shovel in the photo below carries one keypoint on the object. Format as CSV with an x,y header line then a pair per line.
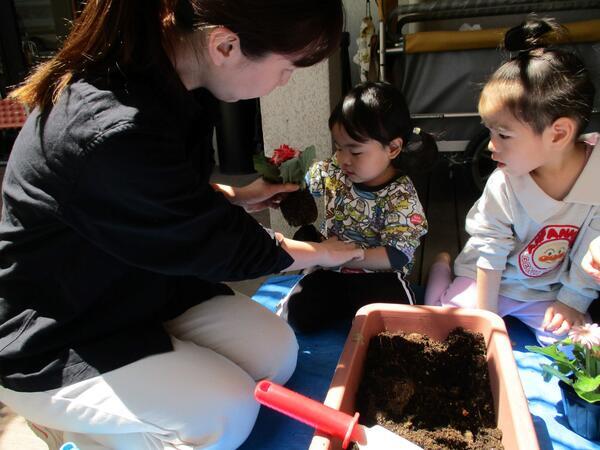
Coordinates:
x,y
328,420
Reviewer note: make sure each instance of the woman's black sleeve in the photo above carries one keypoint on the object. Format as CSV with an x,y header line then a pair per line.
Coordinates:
x,y
149,207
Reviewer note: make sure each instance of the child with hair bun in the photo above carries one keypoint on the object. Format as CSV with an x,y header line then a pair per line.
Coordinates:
x,y
540,209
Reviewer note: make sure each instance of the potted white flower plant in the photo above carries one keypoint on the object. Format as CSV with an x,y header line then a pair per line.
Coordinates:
x,y
576,363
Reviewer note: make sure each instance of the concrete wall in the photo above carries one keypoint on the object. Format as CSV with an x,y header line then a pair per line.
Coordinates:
x,y
297,115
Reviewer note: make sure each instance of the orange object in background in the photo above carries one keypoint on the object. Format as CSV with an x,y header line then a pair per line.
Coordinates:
x,y
12,114
442,41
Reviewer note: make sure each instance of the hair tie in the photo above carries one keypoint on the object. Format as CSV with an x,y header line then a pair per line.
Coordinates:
x,y
528,36
415,140
184,14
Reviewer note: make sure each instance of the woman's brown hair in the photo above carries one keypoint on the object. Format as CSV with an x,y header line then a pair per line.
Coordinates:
x,y
130,35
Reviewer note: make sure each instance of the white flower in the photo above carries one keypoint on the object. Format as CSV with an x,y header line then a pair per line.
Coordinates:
x,y
587,335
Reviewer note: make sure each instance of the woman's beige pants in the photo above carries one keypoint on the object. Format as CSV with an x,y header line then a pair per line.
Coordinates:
x,y
199,396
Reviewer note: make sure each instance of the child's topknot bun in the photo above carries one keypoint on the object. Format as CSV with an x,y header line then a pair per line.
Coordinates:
x,y
541,81
529,35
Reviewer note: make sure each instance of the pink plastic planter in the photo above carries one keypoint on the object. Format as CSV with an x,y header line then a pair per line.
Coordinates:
x,y
512,412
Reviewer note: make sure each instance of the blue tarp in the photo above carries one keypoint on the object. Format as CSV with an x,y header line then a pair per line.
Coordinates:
x,y
319,353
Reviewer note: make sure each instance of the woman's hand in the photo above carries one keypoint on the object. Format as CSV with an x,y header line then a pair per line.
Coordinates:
x,y
591,260
329,253
257,195
559,318
336,252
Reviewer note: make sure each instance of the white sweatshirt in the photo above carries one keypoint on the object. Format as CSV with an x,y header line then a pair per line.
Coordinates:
x,y
537,242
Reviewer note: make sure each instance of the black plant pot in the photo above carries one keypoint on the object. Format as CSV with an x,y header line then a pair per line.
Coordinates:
x,y
583,417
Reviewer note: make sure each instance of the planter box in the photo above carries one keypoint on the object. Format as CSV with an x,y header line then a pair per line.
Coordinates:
x,y
510,403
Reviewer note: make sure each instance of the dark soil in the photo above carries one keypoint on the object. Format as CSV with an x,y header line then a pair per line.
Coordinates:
x,y
299,208
436,394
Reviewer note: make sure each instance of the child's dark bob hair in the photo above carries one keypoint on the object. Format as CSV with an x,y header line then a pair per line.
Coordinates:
x,y
377,111
540,83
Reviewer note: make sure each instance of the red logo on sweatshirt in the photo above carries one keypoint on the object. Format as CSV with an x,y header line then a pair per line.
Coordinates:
x,y
547,250
416,219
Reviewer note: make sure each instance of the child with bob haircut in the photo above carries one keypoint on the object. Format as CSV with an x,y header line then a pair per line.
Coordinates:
x,y
540,209
369,200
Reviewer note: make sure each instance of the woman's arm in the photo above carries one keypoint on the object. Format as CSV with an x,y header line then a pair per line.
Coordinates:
x,y
330,253
488,287
257,195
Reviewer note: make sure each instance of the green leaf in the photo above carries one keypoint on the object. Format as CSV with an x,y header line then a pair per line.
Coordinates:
x,y
294,170
591,397
291,172
308,156
565,368
547,376
263,166
548,369
579,353
596,367
586,383
551,351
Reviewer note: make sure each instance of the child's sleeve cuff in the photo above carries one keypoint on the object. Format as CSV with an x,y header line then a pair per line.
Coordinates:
x,y
574,299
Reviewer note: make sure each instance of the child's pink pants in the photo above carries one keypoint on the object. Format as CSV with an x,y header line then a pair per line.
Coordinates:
x,y
462,293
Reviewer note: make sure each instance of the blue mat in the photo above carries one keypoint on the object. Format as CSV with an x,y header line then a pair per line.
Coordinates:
x,y
318,357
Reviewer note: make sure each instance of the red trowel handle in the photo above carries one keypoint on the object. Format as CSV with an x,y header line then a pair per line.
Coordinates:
x,y
313,413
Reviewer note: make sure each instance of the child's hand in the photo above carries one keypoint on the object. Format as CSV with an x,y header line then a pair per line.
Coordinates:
x,y
591,260
559,318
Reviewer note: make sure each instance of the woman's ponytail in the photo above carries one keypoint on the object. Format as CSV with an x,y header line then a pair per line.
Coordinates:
x,y
131,35
107,34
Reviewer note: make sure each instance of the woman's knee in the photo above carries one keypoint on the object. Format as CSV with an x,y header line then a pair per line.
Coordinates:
x,y
229,427
241,330
190,397
222,422
214,405
279,362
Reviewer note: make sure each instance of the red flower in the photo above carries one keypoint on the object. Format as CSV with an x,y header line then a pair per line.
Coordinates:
x,y
283,153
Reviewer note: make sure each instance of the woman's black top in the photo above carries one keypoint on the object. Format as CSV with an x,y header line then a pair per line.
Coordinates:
x,y
110,227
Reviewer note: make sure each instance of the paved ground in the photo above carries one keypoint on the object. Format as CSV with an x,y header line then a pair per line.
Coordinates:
x,y
15,434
